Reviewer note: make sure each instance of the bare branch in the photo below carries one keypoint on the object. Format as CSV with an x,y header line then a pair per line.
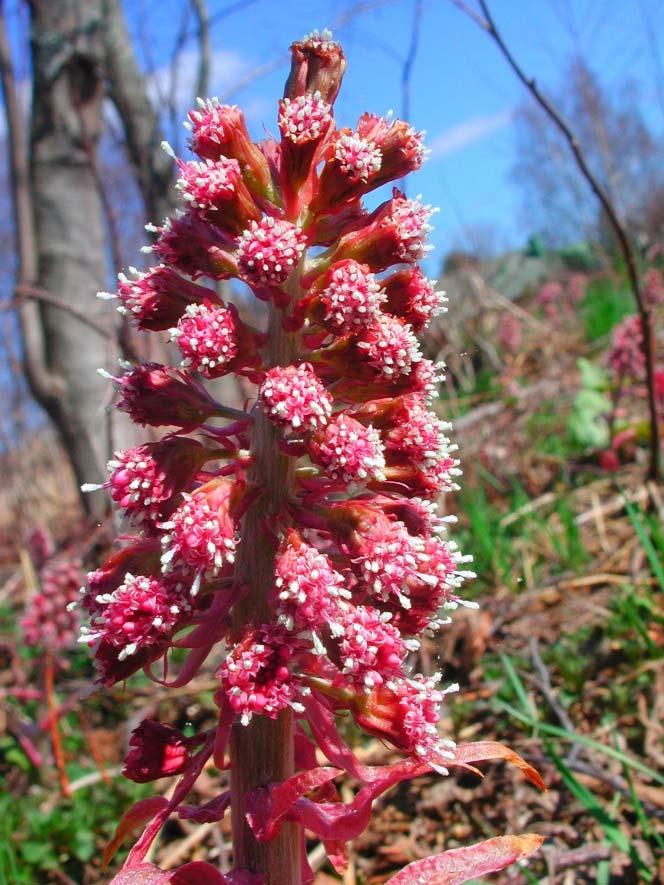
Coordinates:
x,y
35,293
409,61
342,19
204,47
128,91
487,23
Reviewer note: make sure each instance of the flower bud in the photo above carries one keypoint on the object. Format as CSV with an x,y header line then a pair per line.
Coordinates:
x,y
294,399
219,130
195,247
145,480
413,298
156,751
216,188
400,146
156,299
346,298
394,234
317,65
214,341
304,123
160,396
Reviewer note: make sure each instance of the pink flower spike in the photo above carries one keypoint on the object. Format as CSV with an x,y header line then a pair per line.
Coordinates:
x,y
269,251
304,119
414,298
626,356
347,298
347,451
294,399
50,620
390,346
256,678
310,592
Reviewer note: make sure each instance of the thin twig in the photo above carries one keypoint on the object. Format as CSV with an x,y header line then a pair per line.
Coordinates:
x,y
263,70
409,61
39,294
544,685
487,23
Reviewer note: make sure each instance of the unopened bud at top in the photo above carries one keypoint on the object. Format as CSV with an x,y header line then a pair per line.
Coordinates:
x,y
317,65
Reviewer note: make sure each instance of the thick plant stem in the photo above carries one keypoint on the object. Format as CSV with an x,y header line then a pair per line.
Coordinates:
x,y
262,751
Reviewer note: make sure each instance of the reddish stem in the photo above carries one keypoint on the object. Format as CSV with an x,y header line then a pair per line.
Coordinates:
x,y
262,751
56,741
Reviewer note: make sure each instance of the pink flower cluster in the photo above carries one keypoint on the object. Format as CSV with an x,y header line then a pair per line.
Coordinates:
x,y
50,622
626,356
304,532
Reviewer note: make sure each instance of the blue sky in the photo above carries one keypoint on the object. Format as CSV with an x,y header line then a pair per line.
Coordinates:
x,y
462,92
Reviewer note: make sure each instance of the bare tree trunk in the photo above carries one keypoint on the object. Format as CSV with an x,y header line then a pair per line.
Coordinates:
x,y
68,86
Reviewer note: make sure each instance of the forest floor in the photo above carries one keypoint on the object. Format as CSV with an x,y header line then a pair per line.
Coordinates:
x,y
563,662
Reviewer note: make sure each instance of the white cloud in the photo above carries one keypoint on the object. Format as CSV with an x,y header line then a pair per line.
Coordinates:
x,y
463,134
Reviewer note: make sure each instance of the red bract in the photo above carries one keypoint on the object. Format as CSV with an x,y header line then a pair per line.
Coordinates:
x,y
156,751
305,534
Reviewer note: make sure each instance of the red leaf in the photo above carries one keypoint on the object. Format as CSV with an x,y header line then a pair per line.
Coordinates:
x,y
183,787
209,812
479,751
196,873
462,864
268,805
139,813
334,821
143,874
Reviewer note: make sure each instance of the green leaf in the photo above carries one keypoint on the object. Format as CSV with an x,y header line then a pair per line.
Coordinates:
x,y
83,844
593,377
587,422
38,853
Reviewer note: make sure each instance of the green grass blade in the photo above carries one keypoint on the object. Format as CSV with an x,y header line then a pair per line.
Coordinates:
x,y
575,738
518,686
646,541
610,826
